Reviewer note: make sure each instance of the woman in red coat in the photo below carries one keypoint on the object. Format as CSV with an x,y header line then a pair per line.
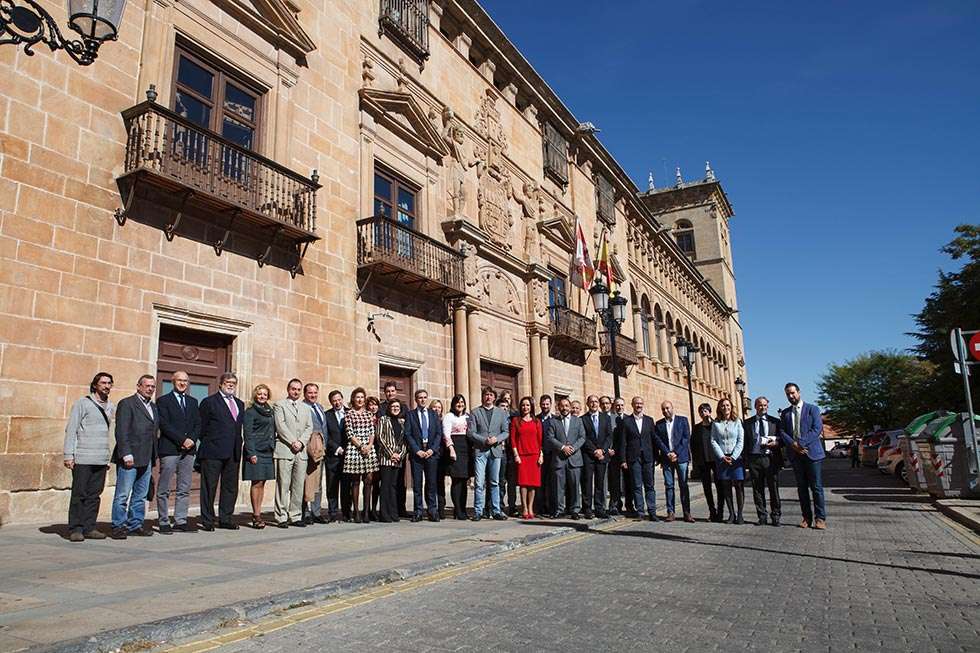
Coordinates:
x,y
525,439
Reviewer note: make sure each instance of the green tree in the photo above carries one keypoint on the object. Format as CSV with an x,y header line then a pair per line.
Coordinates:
x,y
878,388
955,302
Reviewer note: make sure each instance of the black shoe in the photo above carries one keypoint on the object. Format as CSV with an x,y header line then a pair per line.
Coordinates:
x,y
632,514
282,524
731,519
332,519
319,520
476,517
416,519
298,524
500,516
165,529
356,518
118,534
775,521
587,515
761,521
653,517
207,528
613,512
603,514
574,516
140,532
185,528
434,518
229,526
739,520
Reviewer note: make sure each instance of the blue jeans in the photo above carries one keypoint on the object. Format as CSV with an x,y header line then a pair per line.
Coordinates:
x,y
642,475
129,501
809,480
681,469
486,465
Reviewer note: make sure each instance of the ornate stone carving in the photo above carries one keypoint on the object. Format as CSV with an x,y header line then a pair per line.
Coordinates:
x,y
495,288
539,288
367,73
495,189
489,127
470,274
459,163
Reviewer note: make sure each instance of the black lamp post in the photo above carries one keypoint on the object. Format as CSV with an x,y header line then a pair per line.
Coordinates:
x,y
612,313
740,388
687,352
96,21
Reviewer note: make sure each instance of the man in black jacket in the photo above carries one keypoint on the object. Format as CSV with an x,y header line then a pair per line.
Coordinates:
x,y
335,443
180,426
763,451
596,453
136,438
220,452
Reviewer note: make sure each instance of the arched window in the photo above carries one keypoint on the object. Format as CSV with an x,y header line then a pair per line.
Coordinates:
x,y
684,235
671,356
645,318
658,326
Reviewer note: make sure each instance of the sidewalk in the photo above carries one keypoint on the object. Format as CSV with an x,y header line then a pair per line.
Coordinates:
x,y
964,511
52,591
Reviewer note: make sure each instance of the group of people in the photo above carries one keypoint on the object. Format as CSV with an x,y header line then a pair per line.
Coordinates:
x,y
349,462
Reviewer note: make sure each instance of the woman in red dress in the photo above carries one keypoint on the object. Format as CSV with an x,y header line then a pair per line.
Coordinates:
x,y
525,439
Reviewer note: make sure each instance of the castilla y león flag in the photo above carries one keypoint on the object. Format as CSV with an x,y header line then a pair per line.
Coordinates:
x,y
582,271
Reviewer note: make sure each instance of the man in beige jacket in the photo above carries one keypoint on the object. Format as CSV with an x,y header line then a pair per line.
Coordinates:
x,y
294,425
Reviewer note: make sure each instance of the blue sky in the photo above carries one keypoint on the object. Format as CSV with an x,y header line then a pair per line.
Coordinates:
x,y
845,134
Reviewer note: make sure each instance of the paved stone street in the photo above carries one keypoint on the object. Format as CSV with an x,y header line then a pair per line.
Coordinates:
x,y
890,573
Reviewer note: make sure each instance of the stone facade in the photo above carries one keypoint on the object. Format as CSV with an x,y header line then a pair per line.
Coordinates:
x,y
459,123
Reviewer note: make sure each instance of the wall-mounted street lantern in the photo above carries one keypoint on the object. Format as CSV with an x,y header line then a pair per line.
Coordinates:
x,y
96,21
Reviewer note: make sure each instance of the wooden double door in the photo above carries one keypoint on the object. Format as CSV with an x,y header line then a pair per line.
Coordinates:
x,y
500,378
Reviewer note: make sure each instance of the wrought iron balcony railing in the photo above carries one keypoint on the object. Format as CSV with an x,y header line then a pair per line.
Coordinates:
x,y
407,22
163,142
571,329
626,352
395,250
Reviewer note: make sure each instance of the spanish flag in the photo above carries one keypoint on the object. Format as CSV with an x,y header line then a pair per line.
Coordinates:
x,y
603,263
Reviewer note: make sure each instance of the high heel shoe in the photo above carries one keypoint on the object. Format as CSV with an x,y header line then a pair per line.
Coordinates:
x,y
365,517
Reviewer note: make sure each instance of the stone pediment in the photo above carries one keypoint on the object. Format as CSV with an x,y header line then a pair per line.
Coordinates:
x,y
558,230
404,116
275,21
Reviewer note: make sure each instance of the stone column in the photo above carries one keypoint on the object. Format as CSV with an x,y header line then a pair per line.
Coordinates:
x,y
638,333
534,344
461,363
473,357
546,383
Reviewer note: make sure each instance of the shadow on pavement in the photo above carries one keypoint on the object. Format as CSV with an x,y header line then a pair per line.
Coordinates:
x,y
657,535
947,554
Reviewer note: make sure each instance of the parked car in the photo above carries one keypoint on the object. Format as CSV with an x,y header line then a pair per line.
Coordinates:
x,y
840,450
869,448
890,458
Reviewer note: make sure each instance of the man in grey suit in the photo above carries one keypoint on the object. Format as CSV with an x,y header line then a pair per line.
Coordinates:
x,y
564,436
137,421
294,426
489,428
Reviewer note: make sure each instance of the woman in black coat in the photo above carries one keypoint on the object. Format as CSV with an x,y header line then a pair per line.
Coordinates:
x,y
259,432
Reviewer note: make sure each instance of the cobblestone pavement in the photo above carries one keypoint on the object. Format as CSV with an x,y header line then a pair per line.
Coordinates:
x,y
890,573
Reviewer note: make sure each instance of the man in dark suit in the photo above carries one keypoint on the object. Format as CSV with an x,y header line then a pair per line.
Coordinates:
x,y
390,391
136,438
597,451
220,452
423,436
763,450
180,426
640,449
544,503
800,428
335,442
565,437
674,439
620,484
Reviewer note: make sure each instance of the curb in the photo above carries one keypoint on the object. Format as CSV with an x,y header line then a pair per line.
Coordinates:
x,y
957,515
169,629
